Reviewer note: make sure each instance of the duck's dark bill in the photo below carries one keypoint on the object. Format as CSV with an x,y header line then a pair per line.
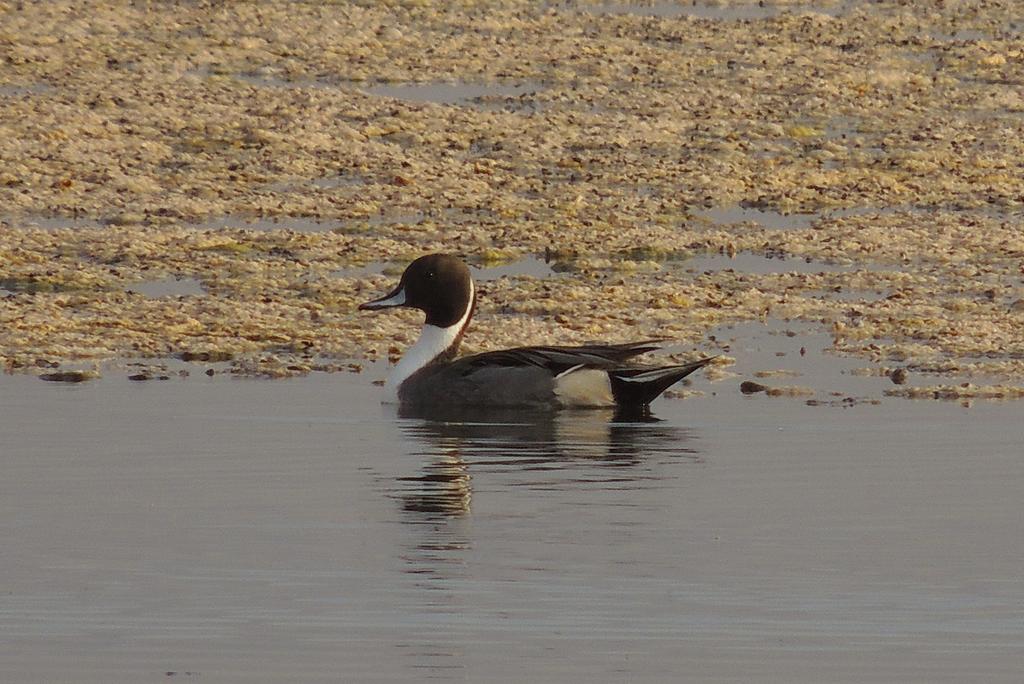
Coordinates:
x,y
394,298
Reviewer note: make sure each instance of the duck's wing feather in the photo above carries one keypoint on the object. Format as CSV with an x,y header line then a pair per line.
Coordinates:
x,y
557,360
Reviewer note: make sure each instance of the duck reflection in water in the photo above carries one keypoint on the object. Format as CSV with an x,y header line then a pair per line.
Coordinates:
x,y
541,449
566,455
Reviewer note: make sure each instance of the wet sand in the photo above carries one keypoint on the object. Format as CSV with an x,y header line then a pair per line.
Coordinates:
x,y
265,153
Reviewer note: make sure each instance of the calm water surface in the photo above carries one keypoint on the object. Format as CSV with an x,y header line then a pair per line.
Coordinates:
x,y
208,529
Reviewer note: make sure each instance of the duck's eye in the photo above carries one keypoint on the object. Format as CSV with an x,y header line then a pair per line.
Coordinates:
x,y
430,274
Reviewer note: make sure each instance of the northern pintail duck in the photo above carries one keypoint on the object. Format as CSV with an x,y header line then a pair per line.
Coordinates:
x,y
593,375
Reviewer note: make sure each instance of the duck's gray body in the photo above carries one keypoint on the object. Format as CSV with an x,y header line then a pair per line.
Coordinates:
x,y
598,375
463,384
558,377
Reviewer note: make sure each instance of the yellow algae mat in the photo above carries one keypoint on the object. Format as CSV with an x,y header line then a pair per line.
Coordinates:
x,y
848,164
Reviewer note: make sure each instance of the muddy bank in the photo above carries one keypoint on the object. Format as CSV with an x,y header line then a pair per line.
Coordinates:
x,y
262,154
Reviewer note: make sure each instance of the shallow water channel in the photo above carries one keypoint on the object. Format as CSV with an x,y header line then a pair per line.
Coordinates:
x,y
210,529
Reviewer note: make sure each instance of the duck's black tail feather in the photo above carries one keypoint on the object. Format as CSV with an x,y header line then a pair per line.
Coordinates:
x,y
638,387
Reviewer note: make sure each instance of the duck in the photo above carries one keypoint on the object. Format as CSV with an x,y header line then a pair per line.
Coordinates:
x,y
431,373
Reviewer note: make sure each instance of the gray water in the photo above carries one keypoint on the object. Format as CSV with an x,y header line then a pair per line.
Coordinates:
x,y
482,95
170,286
719,11
216,529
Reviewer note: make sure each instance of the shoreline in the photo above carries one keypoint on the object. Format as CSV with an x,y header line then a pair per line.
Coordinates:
x,y
850,169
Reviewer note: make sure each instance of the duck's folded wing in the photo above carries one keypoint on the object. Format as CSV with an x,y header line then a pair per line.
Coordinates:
x,y
557,360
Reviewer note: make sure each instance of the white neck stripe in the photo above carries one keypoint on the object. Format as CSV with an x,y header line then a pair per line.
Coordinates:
x,y
432,342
